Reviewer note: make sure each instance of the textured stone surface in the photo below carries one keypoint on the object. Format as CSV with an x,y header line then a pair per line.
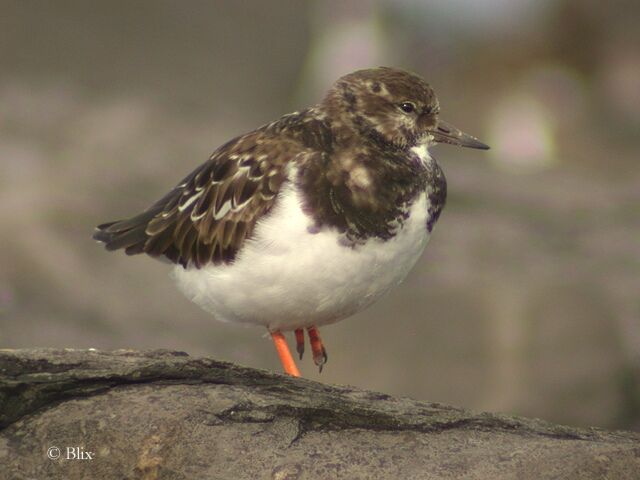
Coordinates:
x,y
166,415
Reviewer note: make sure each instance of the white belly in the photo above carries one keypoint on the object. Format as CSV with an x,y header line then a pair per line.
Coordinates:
x,y
286,278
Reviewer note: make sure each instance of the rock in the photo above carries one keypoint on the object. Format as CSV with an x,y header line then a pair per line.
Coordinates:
x,y
165,415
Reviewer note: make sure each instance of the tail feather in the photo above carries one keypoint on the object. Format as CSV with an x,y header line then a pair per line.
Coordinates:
x,y
129,234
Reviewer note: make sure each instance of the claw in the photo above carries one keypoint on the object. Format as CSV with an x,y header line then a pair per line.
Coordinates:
x,y
317,348
300,342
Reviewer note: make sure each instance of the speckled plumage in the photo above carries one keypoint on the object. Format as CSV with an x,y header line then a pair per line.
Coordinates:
x,y
355,168
310,218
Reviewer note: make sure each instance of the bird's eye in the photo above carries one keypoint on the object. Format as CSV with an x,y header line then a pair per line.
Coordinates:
x,y
407,107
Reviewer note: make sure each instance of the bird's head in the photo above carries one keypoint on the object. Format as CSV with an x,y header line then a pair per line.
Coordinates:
x,y
393,107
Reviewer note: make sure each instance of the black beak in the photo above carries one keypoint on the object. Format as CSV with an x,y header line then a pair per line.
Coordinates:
x,y
446,133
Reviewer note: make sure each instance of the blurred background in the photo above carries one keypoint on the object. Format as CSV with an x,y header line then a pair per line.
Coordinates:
x,y
527,298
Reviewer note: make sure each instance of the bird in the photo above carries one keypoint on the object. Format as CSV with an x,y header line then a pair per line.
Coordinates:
x,y
308,219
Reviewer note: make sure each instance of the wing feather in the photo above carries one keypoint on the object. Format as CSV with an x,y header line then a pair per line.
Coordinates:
x,y
208,216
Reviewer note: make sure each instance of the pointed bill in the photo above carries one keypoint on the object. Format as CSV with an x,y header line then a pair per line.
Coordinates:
x,y
446,133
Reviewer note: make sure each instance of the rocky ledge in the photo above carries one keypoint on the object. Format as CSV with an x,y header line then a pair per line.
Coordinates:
x,y
164,415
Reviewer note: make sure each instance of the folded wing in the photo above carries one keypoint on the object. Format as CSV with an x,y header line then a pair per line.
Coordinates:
x,y
208,216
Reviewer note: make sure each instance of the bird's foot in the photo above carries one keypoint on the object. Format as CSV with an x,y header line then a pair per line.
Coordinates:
x,y
317,348
300,342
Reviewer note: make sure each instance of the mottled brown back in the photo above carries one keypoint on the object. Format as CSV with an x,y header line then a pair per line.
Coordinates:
x,y
208,216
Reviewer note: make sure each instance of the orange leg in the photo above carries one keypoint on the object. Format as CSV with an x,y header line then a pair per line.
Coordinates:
x,y
285,355
317,348
300,342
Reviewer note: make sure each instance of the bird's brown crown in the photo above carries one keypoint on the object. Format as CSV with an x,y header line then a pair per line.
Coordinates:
x,y
393,106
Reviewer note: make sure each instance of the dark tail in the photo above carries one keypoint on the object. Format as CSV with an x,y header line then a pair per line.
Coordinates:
x,y
129,234
133,234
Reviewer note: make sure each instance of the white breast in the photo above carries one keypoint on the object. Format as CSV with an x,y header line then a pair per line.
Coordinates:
x,y
286,277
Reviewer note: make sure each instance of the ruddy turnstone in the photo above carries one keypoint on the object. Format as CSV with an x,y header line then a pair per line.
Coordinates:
x,y
309,219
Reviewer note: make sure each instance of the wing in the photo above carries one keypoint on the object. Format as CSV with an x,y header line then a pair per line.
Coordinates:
x,y
208,216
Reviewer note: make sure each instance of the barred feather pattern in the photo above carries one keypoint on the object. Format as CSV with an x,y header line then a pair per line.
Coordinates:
x,y
355,169
207,217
